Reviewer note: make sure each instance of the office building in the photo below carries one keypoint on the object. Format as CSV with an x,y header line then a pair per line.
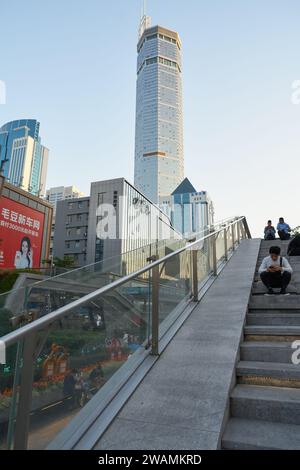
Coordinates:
x,y
159,159
61,193
23,159
190,211
71,230
116,219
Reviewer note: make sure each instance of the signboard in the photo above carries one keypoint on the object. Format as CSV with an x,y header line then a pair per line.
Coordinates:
x,y
21,235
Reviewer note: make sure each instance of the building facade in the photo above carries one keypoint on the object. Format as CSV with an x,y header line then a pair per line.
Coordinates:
x,y
190,211
71,230
25,228
117,219
61,193
159,158
23,159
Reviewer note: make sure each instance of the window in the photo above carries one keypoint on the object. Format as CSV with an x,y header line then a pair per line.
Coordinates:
x,y
77,244
70,205
78,217
69,231
67,245
78,231
80,205
153,36
152,60
100,198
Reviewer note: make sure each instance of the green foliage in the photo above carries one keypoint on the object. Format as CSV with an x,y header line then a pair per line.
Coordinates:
x,y
8,278
75,340
66,262
296,231
5,325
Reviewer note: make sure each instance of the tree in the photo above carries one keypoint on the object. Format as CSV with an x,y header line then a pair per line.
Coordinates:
x,y
66,262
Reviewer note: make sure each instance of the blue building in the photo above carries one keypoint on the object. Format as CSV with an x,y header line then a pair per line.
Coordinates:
x,y
190,211
23,159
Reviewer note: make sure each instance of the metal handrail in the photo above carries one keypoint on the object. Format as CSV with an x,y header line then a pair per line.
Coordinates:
x,y
40,323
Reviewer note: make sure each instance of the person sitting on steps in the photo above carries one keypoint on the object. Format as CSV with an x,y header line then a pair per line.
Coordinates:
x,y
283,229
275,271
294,246
270,232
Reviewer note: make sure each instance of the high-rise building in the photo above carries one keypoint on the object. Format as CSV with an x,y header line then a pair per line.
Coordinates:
x,y
23,160
159,161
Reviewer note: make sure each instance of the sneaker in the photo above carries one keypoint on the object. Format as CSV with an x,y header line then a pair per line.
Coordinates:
x,y
270,291
284,292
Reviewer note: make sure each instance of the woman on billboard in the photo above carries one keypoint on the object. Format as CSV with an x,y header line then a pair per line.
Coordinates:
x,y
24,257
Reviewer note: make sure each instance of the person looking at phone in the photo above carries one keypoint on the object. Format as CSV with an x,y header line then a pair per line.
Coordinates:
x,y
270,232
275,271
283,229
24,257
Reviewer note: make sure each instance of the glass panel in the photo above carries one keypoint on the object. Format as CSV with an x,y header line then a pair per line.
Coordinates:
x,y
203,261
9,394
229,239
76,356
220,246
35,299
175,284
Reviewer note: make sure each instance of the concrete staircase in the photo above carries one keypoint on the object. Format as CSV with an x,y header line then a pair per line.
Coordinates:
x,y
265,403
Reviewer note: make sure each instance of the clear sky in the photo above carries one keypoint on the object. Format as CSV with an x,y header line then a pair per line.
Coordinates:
x,y
72,65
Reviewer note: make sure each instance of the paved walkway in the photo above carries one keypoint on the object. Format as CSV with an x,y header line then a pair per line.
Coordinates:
x,y
183,402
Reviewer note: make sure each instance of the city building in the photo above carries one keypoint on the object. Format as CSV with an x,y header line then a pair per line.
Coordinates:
x,y
116,219
23,159
25,228
159,159
61,193
71,229
190,211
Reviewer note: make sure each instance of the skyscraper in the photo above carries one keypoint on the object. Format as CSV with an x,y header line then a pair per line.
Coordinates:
x,y
159,162
23,159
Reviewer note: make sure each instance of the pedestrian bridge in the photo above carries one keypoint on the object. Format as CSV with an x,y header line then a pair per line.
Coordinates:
x,y
192,354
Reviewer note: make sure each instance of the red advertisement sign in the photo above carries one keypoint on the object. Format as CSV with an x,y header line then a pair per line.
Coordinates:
x,y
21,235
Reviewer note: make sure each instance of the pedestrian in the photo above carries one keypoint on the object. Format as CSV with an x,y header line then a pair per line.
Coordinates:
x,y
275,271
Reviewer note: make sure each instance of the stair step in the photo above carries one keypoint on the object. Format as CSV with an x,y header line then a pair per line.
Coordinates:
x,y
244,434
260,289
273,319
267,351
266,403
274,302
269,332
268,373
275,310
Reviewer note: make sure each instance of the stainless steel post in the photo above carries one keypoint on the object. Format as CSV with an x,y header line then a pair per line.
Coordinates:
x,y
155,311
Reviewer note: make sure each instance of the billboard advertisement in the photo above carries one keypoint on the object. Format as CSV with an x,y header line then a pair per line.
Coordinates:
x,y
21,235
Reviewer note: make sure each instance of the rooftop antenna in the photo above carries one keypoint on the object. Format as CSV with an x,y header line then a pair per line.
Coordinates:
x,y
145,22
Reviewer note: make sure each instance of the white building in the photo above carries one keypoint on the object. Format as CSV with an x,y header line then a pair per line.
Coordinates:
x,y
159,160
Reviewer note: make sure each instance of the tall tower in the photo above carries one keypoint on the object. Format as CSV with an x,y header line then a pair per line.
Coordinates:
x,y
23,159
159,161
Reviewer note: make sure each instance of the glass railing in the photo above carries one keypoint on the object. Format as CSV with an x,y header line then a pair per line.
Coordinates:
x,y
80,328
34,299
